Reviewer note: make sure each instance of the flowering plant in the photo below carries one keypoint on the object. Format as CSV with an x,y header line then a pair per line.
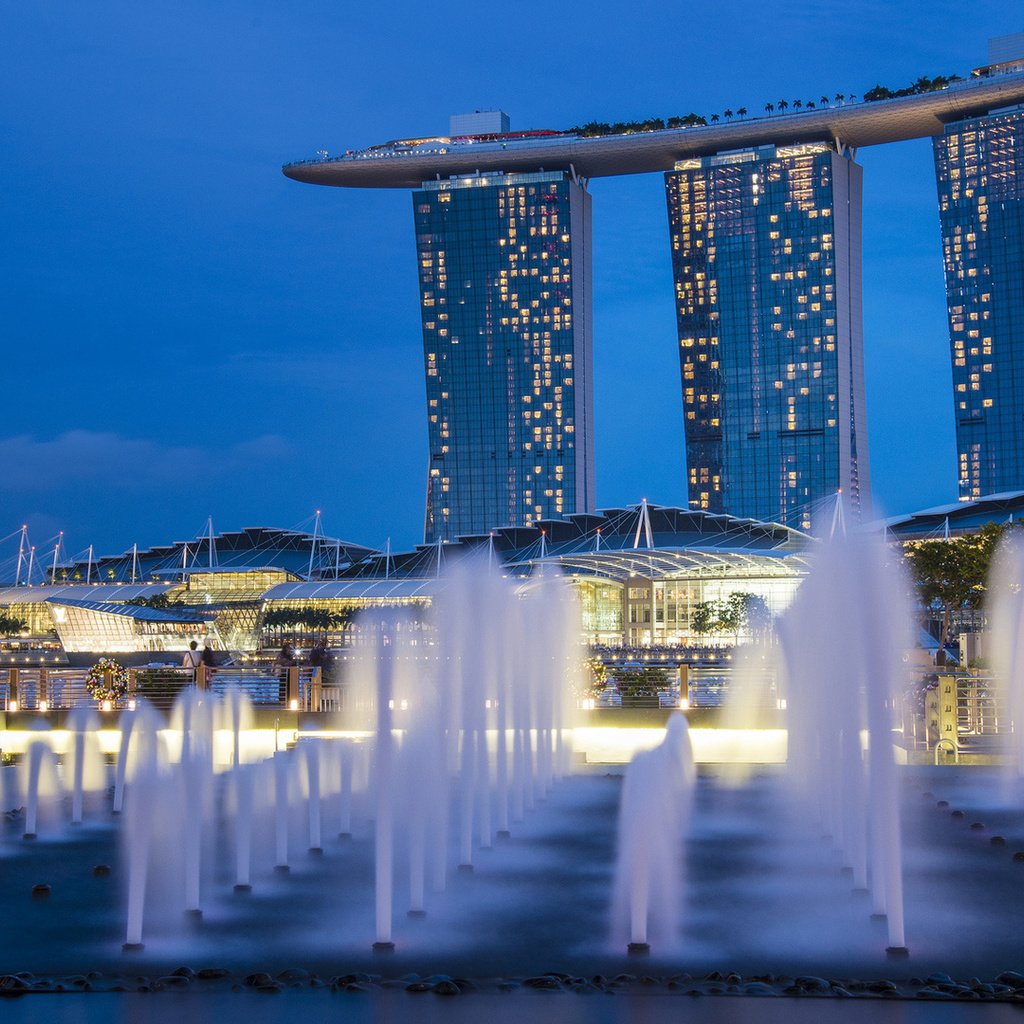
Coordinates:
x,y
107,680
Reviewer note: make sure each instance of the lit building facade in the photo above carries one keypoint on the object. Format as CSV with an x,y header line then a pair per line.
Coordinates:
x,y
979,167
766,255
505,281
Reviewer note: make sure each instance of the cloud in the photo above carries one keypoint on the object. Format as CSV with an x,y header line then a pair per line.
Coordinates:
x,y
76,457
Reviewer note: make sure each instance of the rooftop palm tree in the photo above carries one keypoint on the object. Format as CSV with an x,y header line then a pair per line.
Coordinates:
x,y
769,108
742,112
824,101
797,104
713,119
783,104
727,114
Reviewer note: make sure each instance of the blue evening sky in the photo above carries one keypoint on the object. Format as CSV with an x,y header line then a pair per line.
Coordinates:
x,y
188,333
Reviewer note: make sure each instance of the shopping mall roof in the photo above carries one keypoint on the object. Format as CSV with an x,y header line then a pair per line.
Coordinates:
x,y
251,549
140,613
957,517
644,539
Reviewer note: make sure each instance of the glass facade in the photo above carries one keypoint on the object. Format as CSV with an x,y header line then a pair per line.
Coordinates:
x,y
979,168
766,256
504,271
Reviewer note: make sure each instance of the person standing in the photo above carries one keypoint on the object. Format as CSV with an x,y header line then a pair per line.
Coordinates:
x,y
192,658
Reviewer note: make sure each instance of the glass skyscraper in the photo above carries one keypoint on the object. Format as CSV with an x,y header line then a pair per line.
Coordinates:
x,y
766,256
505,282
979,167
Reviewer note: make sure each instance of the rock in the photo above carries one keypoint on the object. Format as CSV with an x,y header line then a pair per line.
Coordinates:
x,y
447,988
101,871
41,891
257,979
418,986
941,803
810,983
997,841
543,982
939,978
1012,978
183,972
930,992
174,981
11,984
957,814
758,988
879,986
293,974
1018,857
211,973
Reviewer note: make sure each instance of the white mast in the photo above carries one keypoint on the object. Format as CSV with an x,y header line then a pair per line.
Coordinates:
x,y
21,553
56,553
88,571
838,520
387,560
312,545
643,523
31,562
209,532
135,561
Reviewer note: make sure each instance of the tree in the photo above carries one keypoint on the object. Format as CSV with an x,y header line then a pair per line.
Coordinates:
x,y
641,681
797,104
714,119
951,575
824,101
809,104
741,112
783,105
727,114
705,617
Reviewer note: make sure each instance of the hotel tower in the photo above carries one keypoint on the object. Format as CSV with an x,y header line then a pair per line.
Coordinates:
x,y
504,270
979,168
766,254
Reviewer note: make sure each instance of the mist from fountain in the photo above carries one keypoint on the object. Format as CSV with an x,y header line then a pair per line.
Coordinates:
x,y
433,710
843,641
1004,609
654,812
